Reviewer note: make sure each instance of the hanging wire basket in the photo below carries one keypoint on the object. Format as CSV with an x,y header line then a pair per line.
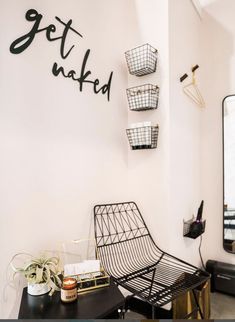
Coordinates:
x,y
187,225
142,60
141,98
144,137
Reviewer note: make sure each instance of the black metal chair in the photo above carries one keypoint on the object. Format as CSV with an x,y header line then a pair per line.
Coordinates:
x,y
128,253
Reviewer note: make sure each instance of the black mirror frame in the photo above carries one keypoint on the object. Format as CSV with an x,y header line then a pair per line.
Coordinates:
x,y
223,105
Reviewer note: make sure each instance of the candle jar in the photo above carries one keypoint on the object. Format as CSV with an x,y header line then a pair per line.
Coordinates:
x,y
69,290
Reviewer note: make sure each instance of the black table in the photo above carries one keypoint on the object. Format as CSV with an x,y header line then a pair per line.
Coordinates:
x,y
101,303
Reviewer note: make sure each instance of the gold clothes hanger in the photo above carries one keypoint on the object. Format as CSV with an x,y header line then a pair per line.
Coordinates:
x,y
191,89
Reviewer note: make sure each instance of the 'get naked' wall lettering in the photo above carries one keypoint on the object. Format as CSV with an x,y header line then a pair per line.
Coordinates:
x,y
84,77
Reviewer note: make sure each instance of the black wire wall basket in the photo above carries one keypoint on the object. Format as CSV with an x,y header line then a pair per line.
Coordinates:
x,y
141,98
187,228
144,137
142,60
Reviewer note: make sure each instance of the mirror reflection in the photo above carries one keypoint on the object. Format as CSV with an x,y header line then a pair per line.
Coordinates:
x,y
229,172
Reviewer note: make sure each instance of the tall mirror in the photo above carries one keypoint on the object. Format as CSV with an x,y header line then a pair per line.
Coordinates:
x,y
229,172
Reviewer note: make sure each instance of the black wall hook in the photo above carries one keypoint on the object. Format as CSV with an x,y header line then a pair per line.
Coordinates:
x,y
183,77
195,68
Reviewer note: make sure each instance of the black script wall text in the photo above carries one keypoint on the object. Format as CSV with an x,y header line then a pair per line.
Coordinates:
x,y
22,43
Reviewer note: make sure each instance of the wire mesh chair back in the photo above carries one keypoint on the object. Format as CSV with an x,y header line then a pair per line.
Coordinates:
x,y
118,223
122,238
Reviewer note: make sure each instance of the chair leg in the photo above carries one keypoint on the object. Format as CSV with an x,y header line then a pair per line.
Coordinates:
x,y
153,312
198,305
121,313
127,299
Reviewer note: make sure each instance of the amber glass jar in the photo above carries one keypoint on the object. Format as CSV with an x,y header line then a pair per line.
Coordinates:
x,y
69,290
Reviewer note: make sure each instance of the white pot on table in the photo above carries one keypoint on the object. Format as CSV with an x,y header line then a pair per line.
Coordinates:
x,y
38,289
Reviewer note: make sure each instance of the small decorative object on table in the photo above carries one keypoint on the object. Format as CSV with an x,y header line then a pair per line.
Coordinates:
x,y
88,275
91,281
69,290
42,273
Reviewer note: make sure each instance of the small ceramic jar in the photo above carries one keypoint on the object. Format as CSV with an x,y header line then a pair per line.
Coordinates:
x,y
38,289
69,290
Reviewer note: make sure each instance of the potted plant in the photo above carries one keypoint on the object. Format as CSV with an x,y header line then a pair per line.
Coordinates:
x,y
42,273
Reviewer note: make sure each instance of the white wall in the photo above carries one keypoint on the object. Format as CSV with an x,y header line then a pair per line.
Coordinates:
x,y
218,82
49,143
62,151
185,118
196,135
148,169
166,181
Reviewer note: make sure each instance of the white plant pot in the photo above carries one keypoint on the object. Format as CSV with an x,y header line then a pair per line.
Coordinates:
x,y
38,289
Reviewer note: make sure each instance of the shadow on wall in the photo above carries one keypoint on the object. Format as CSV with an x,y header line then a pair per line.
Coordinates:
x,y
218,48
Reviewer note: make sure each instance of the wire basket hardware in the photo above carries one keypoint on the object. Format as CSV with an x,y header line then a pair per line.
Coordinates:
x,y
144,137
143,97
142,60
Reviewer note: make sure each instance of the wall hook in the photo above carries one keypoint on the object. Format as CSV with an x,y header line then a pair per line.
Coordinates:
x,y
182,78
191,89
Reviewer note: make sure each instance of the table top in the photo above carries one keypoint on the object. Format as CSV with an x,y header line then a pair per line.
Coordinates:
x,y
92,305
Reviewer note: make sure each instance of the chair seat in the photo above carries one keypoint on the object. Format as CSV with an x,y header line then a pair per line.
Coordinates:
x,y
161,283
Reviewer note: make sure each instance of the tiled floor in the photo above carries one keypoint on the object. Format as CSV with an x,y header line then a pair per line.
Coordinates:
x,y
222,307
